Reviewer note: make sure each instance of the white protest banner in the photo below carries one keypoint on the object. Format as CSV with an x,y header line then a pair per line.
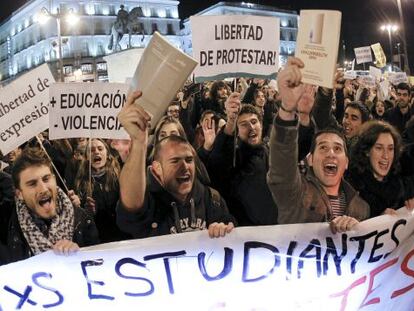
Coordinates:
x,y
122,65
86,110
384,89
161,71
362,73
397,77
286,267
350,75
235,46
24,108
375,72
363,54
317,45
380,58
368,81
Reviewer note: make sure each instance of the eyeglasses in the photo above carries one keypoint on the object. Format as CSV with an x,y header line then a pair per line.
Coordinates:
x,y
174,111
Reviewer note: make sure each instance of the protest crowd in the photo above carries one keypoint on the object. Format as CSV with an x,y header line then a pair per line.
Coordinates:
x,y
245,152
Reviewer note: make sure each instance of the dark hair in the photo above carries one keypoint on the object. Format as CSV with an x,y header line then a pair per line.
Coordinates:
x,y
370,131
28,158
328,130
173,139
365,115
403,86
215,87
248,108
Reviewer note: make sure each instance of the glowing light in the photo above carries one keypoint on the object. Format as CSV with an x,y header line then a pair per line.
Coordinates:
x,y
389,27
42,17
72,18
147,12
284,23
105,10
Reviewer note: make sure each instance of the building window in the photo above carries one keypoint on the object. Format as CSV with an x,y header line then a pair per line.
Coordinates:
x,y
153,12
170,29
86,68
154,27
68,70
101,67
168,13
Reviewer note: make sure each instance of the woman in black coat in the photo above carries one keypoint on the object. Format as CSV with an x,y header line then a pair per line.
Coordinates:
x,y
374,169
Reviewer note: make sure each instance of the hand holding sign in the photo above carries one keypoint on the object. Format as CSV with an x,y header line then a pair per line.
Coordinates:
x,y
65,247
135,119
342,224
216,230
232,106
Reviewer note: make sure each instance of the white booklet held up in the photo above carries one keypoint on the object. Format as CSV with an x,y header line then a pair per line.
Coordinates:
x,y
162,70
317,45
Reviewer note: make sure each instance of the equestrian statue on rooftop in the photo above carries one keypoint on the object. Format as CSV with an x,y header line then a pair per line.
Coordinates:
x,y
129,23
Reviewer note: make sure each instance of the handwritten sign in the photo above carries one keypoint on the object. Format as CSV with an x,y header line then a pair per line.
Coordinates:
x,y
363,54
86,110
235,45
286,267
24,108
379,55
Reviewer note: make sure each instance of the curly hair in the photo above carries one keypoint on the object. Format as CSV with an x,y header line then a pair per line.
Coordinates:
x,y
370,131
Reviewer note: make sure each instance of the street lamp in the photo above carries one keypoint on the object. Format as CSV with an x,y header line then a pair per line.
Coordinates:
x,y
400,12
70,18
390,28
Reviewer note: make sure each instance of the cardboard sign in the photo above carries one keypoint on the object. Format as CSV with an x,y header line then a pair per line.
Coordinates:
x,y
161,72
379,55
375,72
86,110
286,267
397,77
235,46
368,81
363,54
317,45
24,108
350,75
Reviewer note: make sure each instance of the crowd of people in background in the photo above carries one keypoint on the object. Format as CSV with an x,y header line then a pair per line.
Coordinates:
x,y
245,152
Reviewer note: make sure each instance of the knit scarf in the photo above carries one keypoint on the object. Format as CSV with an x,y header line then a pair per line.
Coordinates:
x,y
61,227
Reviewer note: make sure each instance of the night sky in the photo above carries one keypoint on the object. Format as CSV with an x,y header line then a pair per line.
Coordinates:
x,y
361,19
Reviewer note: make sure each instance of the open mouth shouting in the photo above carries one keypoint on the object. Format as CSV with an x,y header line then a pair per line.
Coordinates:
x,y
183,179
253,138
384,166
45,201
330,169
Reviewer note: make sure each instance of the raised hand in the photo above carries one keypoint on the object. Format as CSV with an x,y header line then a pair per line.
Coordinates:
x,y
135,119
209,131
288,81
232,106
